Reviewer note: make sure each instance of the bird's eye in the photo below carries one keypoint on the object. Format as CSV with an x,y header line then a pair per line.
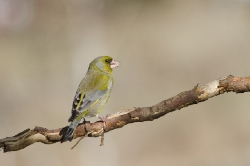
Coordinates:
x,y
108,60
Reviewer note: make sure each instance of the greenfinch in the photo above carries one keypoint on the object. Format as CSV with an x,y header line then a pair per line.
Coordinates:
x,y
92,93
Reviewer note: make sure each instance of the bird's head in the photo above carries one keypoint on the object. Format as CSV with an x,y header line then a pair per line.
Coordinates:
x,y
104,63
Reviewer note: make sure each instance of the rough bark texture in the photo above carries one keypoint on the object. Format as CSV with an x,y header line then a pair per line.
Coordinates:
x,y
120,119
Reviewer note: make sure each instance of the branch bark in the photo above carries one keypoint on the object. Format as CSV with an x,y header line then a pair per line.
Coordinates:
x,y
139,114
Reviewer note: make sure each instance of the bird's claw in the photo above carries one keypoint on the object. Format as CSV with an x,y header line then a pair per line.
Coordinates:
x,y
84,121
104,119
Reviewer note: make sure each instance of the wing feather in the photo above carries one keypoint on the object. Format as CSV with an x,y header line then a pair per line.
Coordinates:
x,y
83,101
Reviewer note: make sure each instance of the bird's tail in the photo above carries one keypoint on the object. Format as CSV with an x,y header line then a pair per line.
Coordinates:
x,y
69,134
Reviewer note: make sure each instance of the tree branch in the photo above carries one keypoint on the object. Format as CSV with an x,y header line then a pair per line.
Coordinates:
x,y
139,114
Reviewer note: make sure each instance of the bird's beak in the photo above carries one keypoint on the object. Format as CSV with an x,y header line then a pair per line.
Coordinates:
x,y
114,64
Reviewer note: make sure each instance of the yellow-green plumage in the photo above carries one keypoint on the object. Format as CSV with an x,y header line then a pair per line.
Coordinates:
x,y
92,93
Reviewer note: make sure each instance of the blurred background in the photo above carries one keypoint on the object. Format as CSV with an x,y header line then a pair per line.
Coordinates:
x,y
164,46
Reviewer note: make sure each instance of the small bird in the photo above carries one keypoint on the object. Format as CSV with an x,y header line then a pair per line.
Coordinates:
x,y
92,93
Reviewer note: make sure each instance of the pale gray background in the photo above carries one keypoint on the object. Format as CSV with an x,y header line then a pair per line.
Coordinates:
x,y
165,47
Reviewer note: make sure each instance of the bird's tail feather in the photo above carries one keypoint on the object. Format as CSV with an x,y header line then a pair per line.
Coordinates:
x,y
69,134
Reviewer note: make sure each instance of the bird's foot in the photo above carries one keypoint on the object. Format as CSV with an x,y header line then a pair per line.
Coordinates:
x,y
104,119
84,121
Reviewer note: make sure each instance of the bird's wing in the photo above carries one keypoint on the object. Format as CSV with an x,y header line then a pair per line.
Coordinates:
x,y
94,90
83,102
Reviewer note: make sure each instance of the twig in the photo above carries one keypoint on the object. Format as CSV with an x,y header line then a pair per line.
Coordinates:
x,y
102,140
80,140
138,114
